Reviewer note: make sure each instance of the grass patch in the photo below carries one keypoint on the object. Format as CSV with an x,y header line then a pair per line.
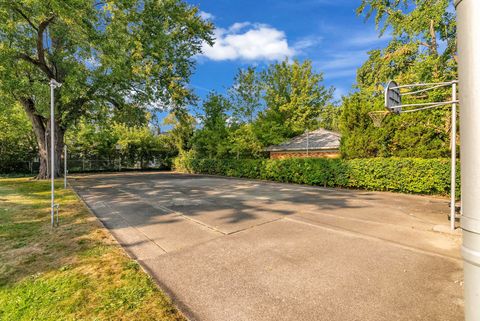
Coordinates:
x,y
73,272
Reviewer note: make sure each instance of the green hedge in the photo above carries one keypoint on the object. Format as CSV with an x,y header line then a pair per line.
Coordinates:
x,y
406,175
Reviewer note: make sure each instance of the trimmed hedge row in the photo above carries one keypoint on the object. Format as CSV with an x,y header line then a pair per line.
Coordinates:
x,y
406,175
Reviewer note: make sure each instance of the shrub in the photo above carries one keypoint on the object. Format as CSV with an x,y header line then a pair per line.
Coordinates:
x,y
406,175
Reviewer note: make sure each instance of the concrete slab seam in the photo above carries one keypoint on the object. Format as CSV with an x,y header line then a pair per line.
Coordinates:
x,y
258,225
369,237
136,229
184,310
164,208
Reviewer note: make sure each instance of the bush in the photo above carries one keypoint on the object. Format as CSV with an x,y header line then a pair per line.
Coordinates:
x,y
406,175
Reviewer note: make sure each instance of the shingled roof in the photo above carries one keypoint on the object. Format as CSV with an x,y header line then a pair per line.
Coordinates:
x,y
320,139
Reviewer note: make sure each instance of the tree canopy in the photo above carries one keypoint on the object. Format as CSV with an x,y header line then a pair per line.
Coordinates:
x,y
108,55
261,108
422,49
294,98
121,61
17,142
210,140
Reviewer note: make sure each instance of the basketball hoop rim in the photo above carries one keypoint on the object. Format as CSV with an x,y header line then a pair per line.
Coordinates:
x,y
377,116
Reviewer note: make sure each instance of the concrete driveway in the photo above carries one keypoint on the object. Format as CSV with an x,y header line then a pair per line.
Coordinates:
x,y
230,249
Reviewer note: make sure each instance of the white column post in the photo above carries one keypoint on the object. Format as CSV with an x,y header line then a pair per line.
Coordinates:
x,y
468,37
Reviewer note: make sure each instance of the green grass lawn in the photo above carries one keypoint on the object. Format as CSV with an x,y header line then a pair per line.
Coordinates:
x,y
73,272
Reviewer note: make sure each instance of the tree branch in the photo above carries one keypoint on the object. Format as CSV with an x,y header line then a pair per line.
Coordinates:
x,y
433,35
40,48
26,18
29,59
425,45
37,63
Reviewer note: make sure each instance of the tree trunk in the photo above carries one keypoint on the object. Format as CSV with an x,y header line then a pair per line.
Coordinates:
x,y
41,129
433,35
59,144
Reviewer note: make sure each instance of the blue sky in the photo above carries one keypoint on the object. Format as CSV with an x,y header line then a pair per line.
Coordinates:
x,y
259,32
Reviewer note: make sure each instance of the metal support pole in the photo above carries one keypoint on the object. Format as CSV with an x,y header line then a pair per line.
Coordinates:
x,y
468,36
53,84
118,148
454,158
308,141
65,166
52,150
46,150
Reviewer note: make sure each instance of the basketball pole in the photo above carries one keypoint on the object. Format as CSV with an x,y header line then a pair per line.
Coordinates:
x,y
453,142
393,103
468,37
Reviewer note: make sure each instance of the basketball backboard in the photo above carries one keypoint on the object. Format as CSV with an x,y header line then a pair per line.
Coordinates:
x,y
393,98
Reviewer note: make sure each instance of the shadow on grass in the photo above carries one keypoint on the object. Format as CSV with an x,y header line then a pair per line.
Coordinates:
x,y
74,271
29,244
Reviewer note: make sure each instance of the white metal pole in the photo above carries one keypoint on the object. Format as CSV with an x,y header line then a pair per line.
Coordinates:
x,y
46,151
52,149
468,39
65,166
454,157
308,141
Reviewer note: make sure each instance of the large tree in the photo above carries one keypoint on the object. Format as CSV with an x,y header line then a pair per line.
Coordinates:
x,y
17,142
246,95
182,130
294,97
423,45
422,49
212,139
107,54
424,22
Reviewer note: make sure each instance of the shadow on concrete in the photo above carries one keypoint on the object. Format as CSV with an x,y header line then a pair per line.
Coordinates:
x,y
230,205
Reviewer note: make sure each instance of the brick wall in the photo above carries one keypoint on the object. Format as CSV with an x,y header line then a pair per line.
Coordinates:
x,y
303,154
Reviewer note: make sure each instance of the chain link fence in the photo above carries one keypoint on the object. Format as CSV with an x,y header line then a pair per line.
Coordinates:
x,y
20,167
99,165
88,165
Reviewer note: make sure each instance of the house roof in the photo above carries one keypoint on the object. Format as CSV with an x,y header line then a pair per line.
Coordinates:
x,y
319,139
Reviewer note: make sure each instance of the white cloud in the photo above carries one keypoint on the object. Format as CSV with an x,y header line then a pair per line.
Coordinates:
x,y
342,73
367,40
247,41
199,87
342,64
306,43
237,26
344,60
206,16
